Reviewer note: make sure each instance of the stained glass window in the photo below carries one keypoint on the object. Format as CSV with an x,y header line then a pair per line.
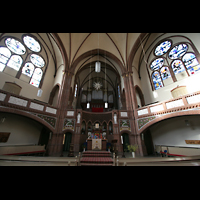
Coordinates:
x,y
2,66
4,56
36,78
157,64
191,63
75,90
14,52
177,66
165,73
31,43
37,60
15,46
178,51
181,62
157,80
15,62
28,69
162,48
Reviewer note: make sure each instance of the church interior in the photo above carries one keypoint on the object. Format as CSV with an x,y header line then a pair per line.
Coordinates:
x,y
65,93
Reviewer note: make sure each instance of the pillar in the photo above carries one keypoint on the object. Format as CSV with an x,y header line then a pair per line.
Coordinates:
x,y
131,109
55,146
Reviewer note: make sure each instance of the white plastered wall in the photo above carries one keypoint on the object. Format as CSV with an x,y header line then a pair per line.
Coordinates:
x,y
23,131
174,131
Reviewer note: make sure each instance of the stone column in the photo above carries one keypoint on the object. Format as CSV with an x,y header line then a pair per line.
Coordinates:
x,y
55,146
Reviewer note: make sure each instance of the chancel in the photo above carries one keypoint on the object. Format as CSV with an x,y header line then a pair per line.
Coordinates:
x,y
99,93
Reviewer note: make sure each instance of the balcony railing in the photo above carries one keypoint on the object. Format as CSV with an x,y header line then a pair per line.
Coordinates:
x,y
189,101
12,100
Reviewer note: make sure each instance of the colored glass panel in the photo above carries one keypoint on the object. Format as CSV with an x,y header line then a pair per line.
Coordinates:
x,y
4,57
165,73
178,51
191,63
157,80
15,46
177,66
162,48
37,60
157,64
36,78
31,43
15,62
28,69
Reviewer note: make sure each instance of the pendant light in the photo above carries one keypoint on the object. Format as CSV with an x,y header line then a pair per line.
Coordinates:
x,y
97,67
106,92
88,104
98,64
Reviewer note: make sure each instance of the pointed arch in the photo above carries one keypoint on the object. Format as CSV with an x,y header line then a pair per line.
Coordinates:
x,y
95,52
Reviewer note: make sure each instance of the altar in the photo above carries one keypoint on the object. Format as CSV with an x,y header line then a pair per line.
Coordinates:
x,y
96,144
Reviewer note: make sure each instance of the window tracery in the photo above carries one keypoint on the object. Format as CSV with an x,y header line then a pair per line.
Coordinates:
x,y
168,59
23,56
15,62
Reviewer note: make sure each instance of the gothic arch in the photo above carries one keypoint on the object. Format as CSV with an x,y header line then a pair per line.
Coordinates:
x,y
137,89
168,116
62,50
125,131
67,131
26,114
96,52
53,92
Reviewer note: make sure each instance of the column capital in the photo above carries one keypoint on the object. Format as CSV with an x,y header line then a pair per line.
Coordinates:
x,y
127,74
68,73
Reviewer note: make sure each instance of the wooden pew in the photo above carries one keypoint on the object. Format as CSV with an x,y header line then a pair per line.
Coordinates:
x,y
22,150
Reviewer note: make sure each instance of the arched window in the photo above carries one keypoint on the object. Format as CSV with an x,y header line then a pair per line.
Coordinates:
x,y
15,62
24,57
118,91
4,57
191,63
170,60
75,90
165,73
28,69
36,78
177,66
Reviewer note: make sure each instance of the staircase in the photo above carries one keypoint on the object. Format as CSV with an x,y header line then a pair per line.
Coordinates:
x,y
96,158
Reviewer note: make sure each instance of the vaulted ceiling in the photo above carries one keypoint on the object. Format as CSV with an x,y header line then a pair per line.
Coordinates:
x,y
118,48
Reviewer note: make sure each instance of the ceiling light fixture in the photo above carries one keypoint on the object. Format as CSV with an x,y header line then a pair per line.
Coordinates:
x,y
98,64
97,85
98,67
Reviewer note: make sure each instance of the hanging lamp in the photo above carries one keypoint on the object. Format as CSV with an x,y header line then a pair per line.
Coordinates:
x,y
88,104
106,92
98,64
97,67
